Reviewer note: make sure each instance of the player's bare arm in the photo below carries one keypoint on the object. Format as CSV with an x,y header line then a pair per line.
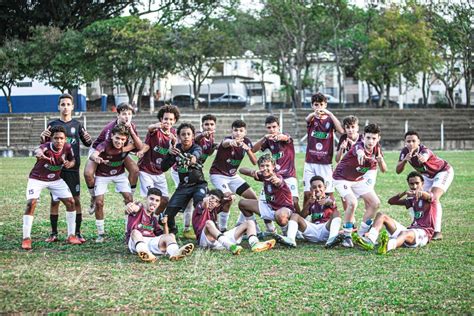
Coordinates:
x,y
250,153
142,151
153,127
337,124
136,140
68,164
381,161
86,138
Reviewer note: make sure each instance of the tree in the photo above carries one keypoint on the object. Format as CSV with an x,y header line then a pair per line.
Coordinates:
x,y
13,66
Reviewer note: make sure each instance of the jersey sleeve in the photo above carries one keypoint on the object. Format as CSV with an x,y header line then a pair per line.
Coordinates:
x,y
196,151
69,153
264,145
403,154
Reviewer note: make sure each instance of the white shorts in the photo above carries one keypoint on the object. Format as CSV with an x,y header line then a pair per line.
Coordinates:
x,y
206,243
151,242
91,151
58,189
266,212
153,181
441,180
421,238
292,184
121,184
316,232
314,169
175,177
356,188
227,184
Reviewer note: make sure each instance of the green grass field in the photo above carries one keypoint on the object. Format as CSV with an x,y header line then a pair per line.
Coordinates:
x,y
106,278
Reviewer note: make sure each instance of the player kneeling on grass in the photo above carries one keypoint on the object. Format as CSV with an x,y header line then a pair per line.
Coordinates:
x,y
419,233
325,218
144,234
51,158
209,236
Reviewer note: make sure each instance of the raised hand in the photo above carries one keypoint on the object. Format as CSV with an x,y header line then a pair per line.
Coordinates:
x,y
46,132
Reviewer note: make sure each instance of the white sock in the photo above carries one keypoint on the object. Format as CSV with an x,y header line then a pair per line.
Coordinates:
x,y
270,227
126,222
392,244
347,228
240,220
188,214
71,223
292,229
91,192
373,235
27,224
284,230
439,215
223,218
411,212
225,242
172,249
364,227
100,226
334,227
133,190
252,218
253,240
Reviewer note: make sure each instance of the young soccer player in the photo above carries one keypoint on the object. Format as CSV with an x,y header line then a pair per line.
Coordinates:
x,y
192,184
321,125
419,233
283,151
51,158
124,116
75,133
110,158
144,234
210,237
278,203
157,144
230,154
325,219
437,173
349,182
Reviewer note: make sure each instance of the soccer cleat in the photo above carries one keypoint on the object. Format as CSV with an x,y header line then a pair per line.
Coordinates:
x,y
184,251
52,238
81,238
347,242
73,240
147,256
437,236
260,246
92,206
334,241
236,249
189,234
26,244
284,240
383,243
100,239
271,243
362,242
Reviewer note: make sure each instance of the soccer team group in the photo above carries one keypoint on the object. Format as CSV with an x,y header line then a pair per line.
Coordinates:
x,y
150,225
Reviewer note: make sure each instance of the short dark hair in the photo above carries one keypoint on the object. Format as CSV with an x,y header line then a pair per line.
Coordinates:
x,y
57,129
65,96
209,117
216,192
372,128
271,119
414,174
316,178
266,157
154,191
185,125
412,132
318,97
238,124
124,106
168,109
350,120
120,129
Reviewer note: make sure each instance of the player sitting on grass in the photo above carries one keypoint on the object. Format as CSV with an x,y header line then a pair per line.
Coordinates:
x,y
109,157
278,203
210,237
419,233
437,173
325,218
144,234
51,157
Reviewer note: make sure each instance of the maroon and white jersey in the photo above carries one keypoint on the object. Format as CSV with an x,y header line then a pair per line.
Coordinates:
x,y
431,167
320,141
115,157
106,133
348,167
207,145
425,214
147,224
276,196
228,159
201,215
349,143
284,155
50,170
159,143
321,213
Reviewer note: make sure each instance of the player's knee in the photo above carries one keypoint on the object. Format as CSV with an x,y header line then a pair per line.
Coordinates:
x,y
30,206
99,203
69,203
210,224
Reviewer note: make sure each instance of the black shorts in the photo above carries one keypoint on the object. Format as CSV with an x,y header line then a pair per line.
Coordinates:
x,y
183,195
72,180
